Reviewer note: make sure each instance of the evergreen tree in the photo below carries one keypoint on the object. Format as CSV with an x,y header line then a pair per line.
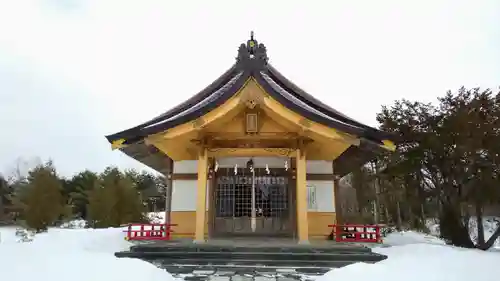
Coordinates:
x,y
448,160
5,197
41,201
76,190
115,201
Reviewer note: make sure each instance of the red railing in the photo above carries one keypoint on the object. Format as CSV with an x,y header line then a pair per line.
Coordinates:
x,y
356,233
141,232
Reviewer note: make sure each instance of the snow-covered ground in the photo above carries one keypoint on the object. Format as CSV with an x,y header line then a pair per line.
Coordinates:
x,y
87,255
425,258
417,256
75,254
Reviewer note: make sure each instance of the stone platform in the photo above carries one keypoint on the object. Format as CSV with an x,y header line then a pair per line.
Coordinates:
x,y
250,257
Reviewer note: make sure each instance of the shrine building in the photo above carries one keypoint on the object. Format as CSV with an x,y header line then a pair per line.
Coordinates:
x,y
252,154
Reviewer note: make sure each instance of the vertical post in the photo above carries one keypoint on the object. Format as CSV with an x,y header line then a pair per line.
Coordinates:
x,y
168,190
212,175
336,198
292,184
377,234
254,213
201,196
301,187
376,203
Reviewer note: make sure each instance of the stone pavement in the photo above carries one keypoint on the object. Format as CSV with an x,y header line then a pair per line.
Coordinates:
x,y
193,273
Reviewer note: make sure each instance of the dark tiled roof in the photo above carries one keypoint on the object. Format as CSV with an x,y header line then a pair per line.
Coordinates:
x,y
252,61
281,80
148,155
206,103
198,97
320,115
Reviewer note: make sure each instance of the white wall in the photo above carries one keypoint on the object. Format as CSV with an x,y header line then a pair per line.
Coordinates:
x,y
184,195
186,167
320,193
320,196
319,167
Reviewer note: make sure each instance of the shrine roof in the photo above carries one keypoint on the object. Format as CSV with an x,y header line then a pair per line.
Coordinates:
x,y
252,61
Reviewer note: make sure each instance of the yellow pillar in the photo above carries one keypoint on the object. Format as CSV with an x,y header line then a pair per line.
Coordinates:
x,y
201,196
301,185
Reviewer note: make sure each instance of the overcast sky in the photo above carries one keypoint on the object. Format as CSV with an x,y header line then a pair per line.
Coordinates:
x,y
72,71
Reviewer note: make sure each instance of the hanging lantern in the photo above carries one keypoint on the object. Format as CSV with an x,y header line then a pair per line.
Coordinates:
x,y
210,172
286,165
250,164
267,169
235,169
216,166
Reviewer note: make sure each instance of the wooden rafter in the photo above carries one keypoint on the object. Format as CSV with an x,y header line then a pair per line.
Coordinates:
x,y
251,141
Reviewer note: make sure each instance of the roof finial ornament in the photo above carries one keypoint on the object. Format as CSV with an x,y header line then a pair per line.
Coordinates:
x,y
252,54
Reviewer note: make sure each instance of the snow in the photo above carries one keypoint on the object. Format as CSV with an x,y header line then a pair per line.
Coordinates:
x,y
79,254
87,255
410,237
156,217
74,224
423,261
418,256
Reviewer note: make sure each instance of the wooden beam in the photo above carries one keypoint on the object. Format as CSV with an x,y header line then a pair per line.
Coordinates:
x,y
274,172
337,200
201,196
211,196
251,152
259,136
301,197
253,143
288,140
168,190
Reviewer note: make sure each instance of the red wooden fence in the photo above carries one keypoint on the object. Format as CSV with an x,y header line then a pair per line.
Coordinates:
x,y
158,231
341,233
356,233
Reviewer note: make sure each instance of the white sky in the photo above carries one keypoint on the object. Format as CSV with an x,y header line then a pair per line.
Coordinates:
x,y
72,71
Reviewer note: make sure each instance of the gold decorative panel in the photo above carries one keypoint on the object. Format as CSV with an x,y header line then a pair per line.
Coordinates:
x,y
252,123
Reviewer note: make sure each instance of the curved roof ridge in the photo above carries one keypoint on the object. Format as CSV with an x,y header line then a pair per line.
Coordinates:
x,y
207,91
309,99
213,97
295,104
252,60
287,94
200,95
206,101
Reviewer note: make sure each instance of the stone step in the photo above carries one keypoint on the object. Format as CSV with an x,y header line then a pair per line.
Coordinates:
x,y
231,270
167,247
260,263
255,256
216,261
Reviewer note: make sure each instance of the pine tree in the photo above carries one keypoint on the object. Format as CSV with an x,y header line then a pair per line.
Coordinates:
x,y
115,201
42,202
447,162
5,195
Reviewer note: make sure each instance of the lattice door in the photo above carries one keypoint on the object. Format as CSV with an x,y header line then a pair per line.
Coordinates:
x,y
233,203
